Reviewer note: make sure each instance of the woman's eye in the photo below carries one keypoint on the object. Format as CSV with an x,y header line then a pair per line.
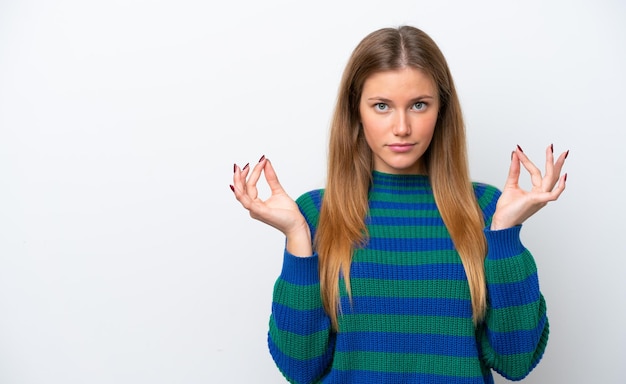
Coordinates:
x,y
419,106
381,106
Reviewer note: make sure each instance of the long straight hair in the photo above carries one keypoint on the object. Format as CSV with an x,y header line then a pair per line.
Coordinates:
x,y
341,227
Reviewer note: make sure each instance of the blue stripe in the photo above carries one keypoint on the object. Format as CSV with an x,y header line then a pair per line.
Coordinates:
x,y
370,377
514,294
388,342
300,270
397,191
536,360
299,322
489,208
365,305
301,371
410,245
429,222
488,212
516,342
480,189
400,181
406,207
504,243
442,271
316,198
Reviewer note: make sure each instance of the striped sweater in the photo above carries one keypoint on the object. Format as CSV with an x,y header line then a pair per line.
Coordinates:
x,y
410,319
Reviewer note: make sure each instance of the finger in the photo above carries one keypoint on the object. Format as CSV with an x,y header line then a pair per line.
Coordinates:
x,y
552,171
512,179
560,187
272,179
555,172
243,192
558,165
535,174
245,170
251,189
237,180
238,186
549,161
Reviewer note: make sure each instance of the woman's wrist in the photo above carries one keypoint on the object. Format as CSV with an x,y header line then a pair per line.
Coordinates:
x,y
299,242
498,223
499,226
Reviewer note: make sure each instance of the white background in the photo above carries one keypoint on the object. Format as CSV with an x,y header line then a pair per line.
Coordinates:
x,y
124,257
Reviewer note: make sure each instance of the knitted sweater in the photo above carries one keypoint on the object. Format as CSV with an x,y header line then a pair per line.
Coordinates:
x,y
410,319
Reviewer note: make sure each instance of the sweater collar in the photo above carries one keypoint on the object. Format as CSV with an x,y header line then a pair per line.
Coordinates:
x,y
389,180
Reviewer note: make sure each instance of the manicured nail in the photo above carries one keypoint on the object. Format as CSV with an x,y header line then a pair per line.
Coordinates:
x,y
552,148
566,153
244,168
262,158
512,152
565,178
520,148
234,168
232,188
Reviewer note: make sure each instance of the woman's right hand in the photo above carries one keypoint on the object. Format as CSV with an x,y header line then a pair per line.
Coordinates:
x,y
279,210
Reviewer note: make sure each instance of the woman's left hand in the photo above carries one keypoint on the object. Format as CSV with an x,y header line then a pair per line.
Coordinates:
x,y
516,205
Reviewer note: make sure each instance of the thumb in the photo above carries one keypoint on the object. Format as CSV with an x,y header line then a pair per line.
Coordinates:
x,y
512,179
272,178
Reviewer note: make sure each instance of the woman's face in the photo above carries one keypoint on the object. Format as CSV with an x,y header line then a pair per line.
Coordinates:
x,y
398,111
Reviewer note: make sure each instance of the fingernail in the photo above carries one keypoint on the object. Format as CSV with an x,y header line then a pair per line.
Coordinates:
x,y
262,158
234,168
552,148
520,148
565,178
512,152
232,188
244,168
566,153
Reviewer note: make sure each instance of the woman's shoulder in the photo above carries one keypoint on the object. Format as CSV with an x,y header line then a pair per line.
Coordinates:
x,y
310,203
487,196
311,198
481,189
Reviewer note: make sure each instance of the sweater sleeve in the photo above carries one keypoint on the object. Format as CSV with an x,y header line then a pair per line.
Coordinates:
x,y
515,332
300,338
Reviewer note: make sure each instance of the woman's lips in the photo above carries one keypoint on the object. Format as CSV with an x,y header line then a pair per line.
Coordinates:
x,y
400,147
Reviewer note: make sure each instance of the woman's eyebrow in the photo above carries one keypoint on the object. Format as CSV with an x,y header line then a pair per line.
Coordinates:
x,y
386,100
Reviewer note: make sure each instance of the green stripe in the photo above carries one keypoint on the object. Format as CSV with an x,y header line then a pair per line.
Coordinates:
x,y
513,319
516,365
407,258
416,232
308,207
408,362
299,297
299,347
409,324
446,289
383,212
404,199
510,270
487,197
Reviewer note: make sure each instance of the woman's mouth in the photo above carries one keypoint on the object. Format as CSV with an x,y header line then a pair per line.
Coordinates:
x,y
400,147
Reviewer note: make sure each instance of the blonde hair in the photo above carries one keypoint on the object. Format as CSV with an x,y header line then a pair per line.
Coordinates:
x,y
341,226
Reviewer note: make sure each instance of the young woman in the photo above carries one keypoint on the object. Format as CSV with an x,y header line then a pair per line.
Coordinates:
x,y
402,270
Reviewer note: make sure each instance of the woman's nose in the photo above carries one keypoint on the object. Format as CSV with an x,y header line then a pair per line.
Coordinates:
x,y
401,125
